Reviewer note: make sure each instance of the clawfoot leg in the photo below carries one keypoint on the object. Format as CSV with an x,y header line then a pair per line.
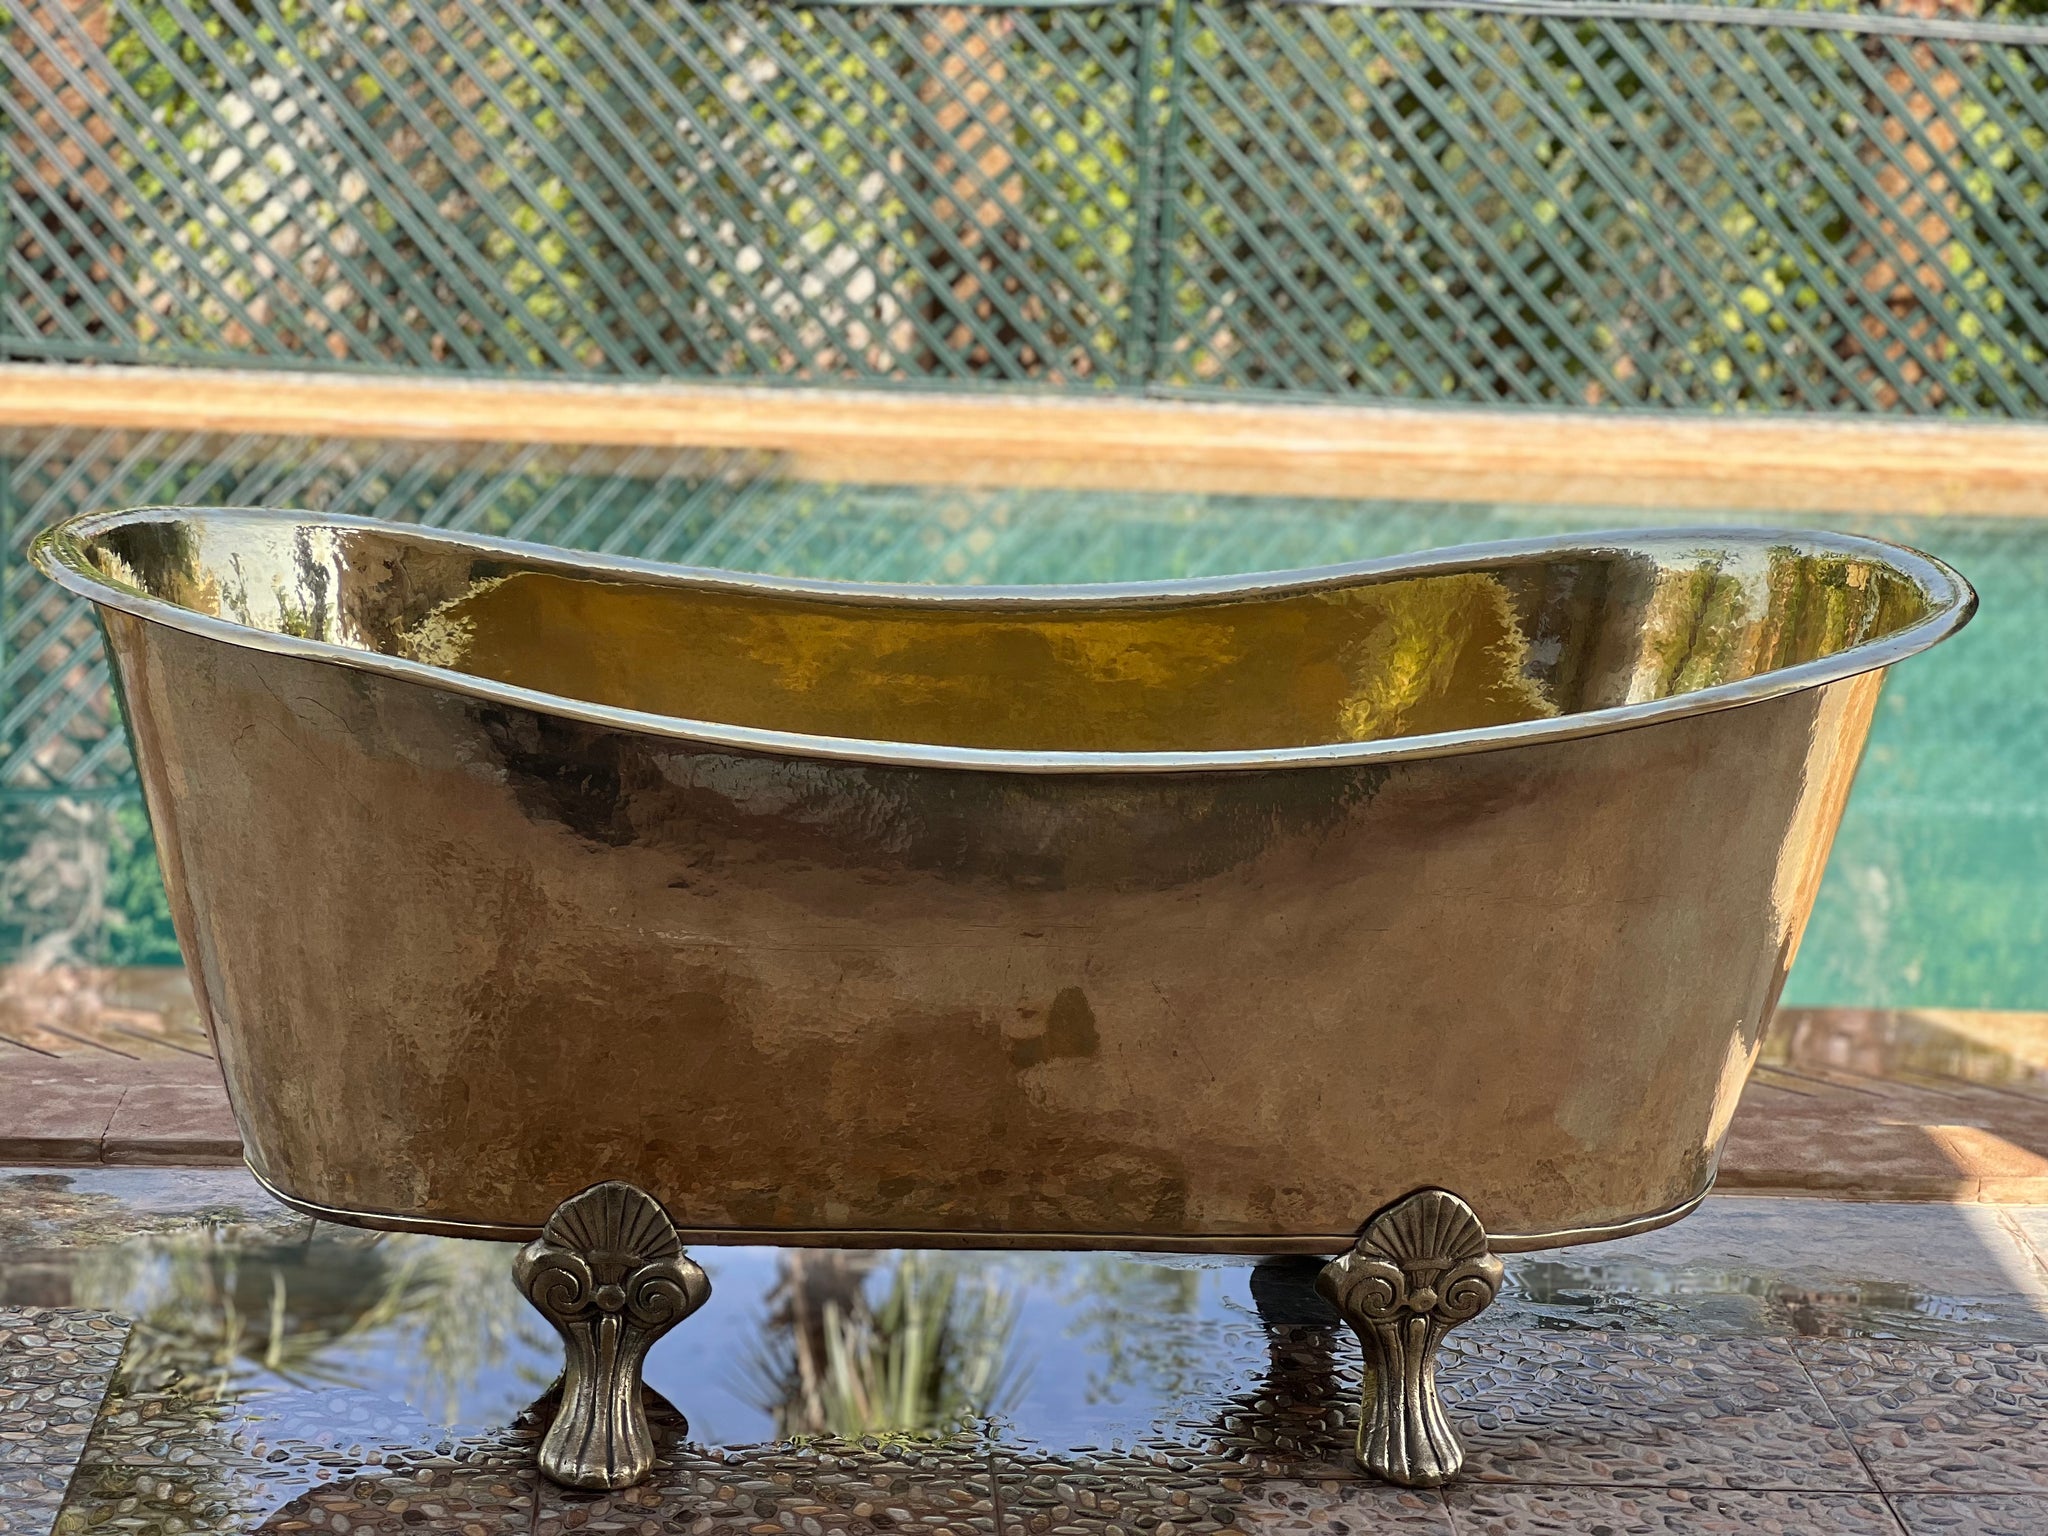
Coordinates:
x,y
610,1273
1420,1268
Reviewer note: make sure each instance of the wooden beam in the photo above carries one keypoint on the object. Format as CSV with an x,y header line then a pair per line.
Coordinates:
x,y
1111,442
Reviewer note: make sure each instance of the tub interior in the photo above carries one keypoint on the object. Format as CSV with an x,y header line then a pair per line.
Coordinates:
x,y
1384,656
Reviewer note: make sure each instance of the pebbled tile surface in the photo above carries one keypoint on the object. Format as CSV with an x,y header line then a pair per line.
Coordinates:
x,y
1746,1264
1666,1512
471,1499
835,1487
1990,1514
30,1497
1629,1409
65,1213
1286,1508
55,1366
1931,1419
163,1501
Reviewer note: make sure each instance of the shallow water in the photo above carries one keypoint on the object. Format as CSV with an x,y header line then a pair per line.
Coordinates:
x,y
282,1326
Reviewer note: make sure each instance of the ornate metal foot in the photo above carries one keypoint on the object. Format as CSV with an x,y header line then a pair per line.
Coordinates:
x,y
610,1273
1419,1269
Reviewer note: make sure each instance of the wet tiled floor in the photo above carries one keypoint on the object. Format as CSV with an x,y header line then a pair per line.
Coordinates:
x,y
1767,1365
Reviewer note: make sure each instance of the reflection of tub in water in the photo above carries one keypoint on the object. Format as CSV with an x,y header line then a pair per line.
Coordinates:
x,y
1207,916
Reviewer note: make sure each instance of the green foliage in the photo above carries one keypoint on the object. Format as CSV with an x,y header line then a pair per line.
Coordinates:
x,y
678,189
929,1355
1343,200
1500,207
136,926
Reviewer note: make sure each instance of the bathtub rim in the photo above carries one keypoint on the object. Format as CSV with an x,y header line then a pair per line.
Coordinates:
x,y
57,552
1222,1244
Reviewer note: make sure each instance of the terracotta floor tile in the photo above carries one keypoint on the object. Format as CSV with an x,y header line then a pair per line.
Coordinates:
x,y
176,1123
62,1108
49,1113
141,1012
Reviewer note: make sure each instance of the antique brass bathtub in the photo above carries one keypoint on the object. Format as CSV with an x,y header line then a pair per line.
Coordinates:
x,y
1213,915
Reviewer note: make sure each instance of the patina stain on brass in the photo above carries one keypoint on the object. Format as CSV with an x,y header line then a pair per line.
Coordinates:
x,y
1202,916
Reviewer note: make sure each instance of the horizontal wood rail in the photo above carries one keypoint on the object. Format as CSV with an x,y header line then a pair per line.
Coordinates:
x,y
1110,442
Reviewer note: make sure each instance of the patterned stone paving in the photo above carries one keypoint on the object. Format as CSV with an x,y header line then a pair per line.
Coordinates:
x,y
1289,1508
1643,1511
1634,1410
945,1487
1926,1419
1990,1515
30,1497
1713,1380
55,1367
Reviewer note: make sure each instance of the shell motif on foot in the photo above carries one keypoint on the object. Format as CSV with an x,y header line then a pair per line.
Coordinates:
x,y
1419,1269
610,1273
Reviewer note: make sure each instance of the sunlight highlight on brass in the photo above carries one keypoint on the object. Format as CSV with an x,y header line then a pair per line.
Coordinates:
x,y
1311,663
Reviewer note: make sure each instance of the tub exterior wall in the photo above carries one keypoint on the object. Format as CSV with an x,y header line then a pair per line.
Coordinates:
x,y
462,959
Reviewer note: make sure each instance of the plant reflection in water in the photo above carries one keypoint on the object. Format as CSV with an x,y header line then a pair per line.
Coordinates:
x,y
256,1334
217,1319
273,1357
812,1343
905,1345
1147,1326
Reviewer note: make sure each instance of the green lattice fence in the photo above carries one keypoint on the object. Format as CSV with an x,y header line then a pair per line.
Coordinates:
x,y
1645,205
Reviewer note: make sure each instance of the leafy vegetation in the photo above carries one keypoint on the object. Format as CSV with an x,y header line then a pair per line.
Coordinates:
x,y
1348,201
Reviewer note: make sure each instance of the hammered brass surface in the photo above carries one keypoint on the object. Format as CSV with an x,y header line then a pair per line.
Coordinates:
x,y
464,954
1307,663
1397,659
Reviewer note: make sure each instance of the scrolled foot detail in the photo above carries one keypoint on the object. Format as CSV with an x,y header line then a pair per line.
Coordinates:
x,y
1420,1268
610,1273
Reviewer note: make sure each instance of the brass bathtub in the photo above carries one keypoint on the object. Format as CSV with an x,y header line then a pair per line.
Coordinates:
x,y
1210,915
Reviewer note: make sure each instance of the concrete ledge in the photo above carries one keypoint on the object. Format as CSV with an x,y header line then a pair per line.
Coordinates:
x,y
64,1110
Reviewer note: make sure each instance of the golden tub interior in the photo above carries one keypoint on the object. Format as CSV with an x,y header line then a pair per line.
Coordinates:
x,y
1372,657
